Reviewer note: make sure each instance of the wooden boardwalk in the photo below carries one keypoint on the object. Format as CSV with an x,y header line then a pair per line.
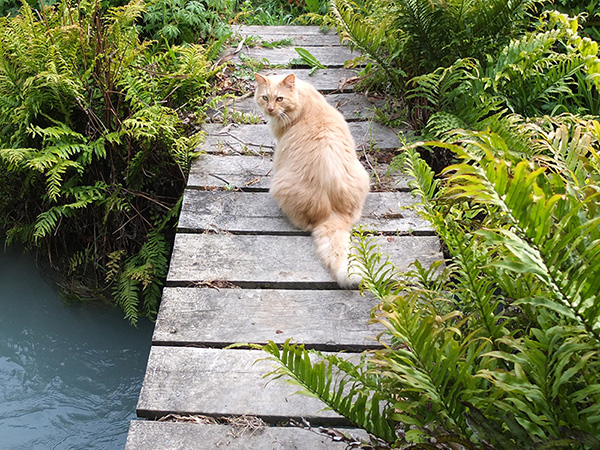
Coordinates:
x,y
241,273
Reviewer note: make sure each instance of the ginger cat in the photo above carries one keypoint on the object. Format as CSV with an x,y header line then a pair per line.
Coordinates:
x,y
318,180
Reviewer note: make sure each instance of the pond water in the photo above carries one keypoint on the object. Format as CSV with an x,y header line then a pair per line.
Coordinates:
x,y
70,375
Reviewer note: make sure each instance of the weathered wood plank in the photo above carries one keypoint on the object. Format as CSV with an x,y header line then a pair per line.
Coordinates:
x,y
253,139
327,320
308,41
324,80
246,172
328,56
352,106
231,171
285,30
355,106
258,212
274,261
152,435
294,40
219,382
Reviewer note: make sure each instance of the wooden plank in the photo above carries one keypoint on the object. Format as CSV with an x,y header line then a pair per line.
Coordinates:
x,y
353,107
258,212
230,171
308,41
152,435
246,172
324,80
256,139
275,261
285,30
218,382
294,40
326,320
328,56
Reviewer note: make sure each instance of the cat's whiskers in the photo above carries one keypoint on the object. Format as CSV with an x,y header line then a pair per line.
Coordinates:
x,y
285,119
321,185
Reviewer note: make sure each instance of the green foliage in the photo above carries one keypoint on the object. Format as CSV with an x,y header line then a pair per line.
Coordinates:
x,y
190,21
279,12
407,38
307,58
498,348
90,131
590,9
547,71
346,387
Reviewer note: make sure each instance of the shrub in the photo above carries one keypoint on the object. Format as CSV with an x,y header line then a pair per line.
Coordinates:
x,y
500,348
407,38
547,71
189,21
96,149
278,12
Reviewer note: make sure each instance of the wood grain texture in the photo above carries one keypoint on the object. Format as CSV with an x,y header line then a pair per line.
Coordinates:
x,y
148,435
354,107
258,212
285,30
230,171
275,261
218,382
331,57
324,80
254,173
257,139
327,320
293,40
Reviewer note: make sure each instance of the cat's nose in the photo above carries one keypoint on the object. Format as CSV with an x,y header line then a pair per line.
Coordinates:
x,y
270,109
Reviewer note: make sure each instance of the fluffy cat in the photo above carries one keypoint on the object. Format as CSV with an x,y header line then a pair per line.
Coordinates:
x,y
318,180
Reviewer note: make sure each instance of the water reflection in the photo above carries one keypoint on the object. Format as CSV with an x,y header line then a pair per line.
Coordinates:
x,y
69,375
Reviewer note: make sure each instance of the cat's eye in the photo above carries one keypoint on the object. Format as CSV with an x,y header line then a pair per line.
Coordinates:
x,y
265,98
279,99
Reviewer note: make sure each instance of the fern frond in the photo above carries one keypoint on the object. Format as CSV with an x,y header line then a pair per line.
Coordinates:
x,y
343,394
547,231
126,295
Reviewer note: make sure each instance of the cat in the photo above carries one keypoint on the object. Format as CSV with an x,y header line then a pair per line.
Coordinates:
x,y
318,181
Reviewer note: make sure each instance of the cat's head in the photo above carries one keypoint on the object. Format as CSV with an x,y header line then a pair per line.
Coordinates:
x,y
276,95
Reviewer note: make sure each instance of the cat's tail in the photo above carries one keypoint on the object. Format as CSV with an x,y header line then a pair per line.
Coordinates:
x,y
332,242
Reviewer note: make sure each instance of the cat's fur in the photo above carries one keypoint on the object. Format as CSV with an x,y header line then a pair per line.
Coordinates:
x,y
318,180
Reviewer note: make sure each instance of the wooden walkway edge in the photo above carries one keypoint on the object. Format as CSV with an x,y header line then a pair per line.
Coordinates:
x,y
241,273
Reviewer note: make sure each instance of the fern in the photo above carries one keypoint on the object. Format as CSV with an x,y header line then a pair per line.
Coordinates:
x,y
498,348
341,391
369,34
408,38
546,231
185,21
90,129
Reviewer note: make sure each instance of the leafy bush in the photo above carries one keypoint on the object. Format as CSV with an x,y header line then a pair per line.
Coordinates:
x,y
589,8
93,151
278,12
499,348
191,21
547,71
407,38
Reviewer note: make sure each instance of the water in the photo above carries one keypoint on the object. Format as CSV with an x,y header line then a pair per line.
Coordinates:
x,y
69,375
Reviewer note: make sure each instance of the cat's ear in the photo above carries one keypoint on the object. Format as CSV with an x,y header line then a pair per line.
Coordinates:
x,y
289,81
260,80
